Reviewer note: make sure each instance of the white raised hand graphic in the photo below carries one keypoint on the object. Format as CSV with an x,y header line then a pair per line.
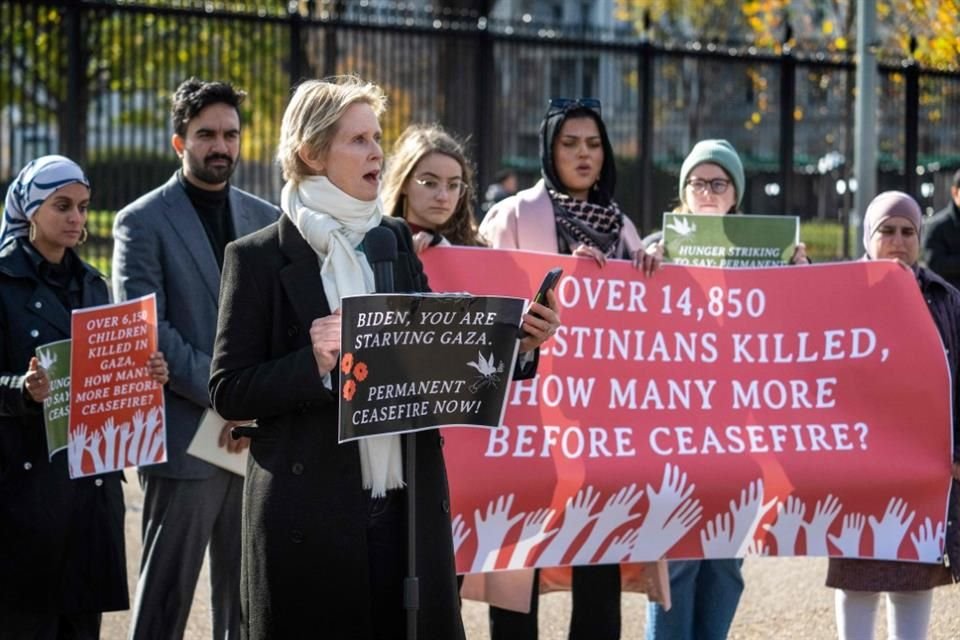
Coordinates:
x,y
716,538
673,491
671,514
460,532
682,226
491,531
138,425
155,435
615,512
929,543
75,449
889,531
534,532
823,516
747,515
576,516
47,358
787,525
619,548
848,542
757,548
93,448
110,437
682,521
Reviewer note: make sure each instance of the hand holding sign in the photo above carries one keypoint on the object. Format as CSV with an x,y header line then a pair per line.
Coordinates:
x,y
325,340
36,382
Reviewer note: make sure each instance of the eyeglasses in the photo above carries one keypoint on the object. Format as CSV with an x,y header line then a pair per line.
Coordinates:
x,y
716,186
455,187
562,105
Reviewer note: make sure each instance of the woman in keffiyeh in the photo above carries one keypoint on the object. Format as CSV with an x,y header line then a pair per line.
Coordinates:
x,y
571,210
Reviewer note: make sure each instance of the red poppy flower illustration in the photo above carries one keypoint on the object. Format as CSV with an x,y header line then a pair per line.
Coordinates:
x,y
349,389
360,371
346,363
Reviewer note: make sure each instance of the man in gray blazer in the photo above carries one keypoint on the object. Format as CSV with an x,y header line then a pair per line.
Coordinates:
x,y
171,242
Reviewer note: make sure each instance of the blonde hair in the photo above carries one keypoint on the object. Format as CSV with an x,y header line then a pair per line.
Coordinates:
x,y
415,143
310,119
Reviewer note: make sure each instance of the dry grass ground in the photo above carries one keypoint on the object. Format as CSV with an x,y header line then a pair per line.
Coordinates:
x,y
784,599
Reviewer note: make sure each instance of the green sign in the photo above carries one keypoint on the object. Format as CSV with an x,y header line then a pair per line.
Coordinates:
x,y
55,358
729,241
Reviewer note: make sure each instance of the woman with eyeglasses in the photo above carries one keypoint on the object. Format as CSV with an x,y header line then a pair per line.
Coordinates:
x,y
427,182
61,540
891,231
712,182
572,211
704,593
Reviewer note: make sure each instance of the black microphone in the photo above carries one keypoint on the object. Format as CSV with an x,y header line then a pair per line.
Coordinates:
x,y
380,245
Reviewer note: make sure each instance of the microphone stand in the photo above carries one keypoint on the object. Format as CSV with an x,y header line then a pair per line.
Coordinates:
x,y
380,246
411,584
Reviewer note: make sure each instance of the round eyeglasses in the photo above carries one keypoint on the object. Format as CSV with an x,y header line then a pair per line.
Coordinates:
x,y
716,186
456,188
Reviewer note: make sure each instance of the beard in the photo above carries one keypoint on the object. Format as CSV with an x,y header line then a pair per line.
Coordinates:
x,y
205,171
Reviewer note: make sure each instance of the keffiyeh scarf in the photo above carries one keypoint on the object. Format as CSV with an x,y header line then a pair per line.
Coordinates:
x,y
582,222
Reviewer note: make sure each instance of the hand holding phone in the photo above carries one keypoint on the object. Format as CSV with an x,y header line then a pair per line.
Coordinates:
x,y
549,282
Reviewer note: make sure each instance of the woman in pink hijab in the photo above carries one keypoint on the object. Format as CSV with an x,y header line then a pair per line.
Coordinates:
x,y
891,231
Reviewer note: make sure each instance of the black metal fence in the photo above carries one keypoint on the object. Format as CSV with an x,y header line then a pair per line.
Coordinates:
x,y
92,79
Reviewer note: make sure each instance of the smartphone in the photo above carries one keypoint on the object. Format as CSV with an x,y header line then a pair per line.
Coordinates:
x,y
549,282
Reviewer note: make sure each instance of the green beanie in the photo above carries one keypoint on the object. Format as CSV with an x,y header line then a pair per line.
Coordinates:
x,y
720,153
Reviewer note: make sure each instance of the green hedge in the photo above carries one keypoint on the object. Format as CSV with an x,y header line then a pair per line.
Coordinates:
x,y
824,241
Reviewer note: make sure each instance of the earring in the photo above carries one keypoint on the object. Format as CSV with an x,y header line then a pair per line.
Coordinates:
x,y
84,234
33,232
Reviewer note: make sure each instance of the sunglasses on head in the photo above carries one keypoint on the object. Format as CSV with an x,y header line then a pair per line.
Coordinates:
x,y
562,105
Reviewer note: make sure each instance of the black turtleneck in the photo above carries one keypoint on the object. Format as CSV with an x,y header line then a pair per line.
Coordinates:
x,y
213,207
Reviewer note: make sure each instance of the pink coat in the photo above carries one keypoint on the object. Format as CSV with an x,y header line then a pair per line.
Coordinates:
x,y
526,221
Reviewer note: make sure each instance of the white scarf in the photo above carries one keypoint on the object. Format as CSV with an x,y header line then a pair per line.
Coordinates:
x,y
334,224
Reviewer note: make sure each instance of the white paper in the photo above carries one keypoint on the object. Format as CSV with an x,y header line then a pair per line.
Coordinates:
x,y
206,445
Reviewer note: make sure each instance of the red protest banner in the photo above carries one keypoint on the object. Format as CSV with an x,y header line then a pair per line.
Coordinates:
x,y
708,413
116,410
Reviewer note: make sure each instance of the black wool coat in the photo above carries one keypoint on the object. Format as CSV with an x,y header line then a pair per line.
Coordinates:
x,y
305,564
61,540
943,300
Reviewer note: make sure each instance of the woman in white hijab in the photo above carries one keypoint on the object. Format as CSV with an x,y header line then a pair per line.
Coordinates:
x,y
324,530
61,540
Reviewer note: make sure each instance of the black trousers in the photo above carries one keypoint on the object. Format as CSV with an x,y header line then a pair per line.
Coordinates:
x,y
595,615
387,557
